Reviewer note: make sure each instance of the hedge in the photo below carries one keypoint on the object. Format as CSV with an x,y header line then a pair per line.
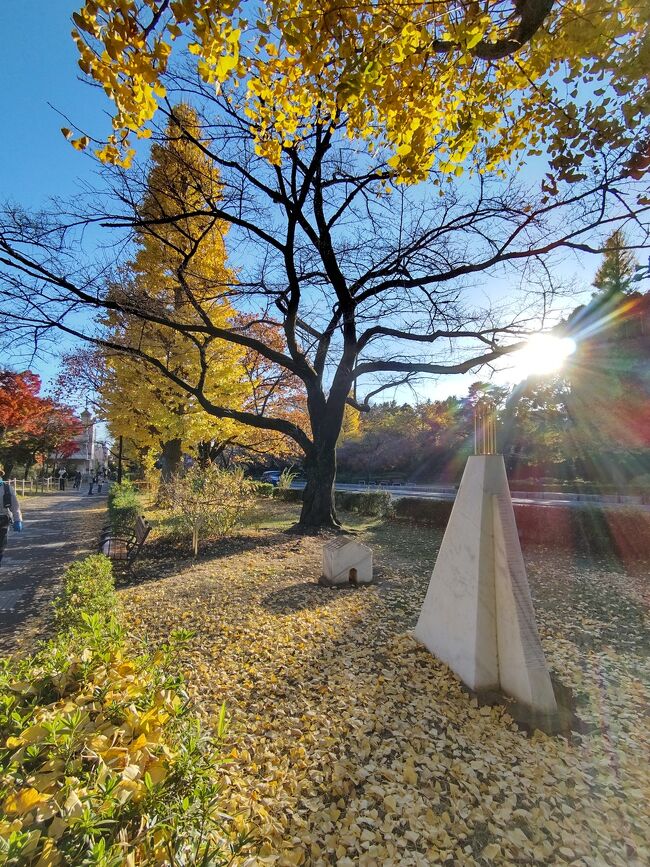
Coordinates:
x,y
263,489
370,503
102,760
592,530
423,510
288,495
123,506
374,504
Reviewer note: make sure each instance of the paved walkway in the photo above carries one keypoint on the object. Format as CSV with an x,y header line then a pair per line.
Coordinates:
x,y
58,529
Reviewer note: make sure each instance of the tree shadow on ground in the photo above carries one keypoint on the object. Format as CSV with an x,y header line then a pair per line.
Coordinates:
x,y
299,597
165,558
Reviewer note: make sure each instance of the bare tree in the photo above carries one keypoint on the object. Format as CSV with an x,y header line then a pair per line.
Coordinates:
x,y
371,283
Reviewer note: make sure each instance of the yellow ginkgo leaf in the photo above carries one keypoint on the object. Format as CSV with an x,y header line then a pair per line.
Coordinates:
x,y
23,801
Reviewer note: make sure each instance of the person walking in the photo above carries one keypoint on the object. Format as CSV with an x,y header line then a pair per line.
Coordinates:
x,y
93,482
62,474
77,481
10,513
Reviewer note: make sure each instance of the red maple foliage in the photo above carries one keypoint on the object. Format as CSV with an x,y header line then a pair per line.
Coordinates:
x,y
32,427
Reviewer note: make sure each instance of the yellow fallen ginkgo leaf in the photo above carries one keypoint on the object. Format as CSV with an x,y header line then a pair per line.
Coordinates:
x,y
50,856
57,827
157,772
131,772
410,774
23,801
73,805
34,734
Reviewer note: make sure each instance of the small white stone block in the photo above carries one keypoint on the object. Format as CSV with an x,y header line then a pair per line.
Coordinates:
x,y
346,562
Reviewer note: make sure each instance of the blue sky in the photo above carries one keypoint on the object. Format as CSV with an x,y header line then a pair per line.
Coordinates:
x,y
39,70
39,66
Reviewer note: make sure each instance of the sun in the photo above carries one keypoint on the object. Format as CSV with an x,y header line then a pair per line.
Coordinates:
x,y
543,354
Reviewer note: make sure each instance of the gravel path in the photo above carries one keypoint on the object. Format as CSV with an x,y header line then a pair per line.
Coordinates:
x,y
58,528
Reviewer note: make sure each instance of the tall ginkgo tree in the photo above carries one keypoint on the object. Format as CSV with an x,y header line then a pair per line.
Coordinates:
x,y
179,267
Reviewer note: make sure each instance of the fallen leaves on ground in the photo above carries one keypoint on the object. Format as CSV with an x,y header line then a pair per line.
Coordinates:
x,y
352,745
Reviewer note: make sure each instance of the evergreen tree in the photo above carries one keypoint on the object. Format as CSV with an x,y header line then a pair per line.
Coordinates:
x,y
618,266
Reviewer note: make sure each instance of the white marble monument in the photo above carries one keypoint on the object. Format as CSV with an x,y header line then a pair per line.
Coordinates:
x,y
346,562
478,614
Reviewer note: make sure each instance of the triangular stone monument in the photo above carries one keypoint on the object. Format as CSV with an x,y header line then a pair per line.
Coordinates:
x,y
478,614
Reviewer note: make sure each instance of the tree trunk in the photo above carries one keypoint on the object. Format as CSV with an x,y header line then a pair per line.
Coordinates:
x,y
318,509
170,459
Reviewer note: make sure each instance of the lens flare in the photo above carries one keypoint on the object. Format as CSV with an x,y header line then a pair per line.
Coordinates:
x,y
542,355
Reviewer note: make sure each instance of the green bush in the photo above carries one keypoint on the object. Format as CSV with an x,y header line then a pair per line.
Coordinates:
x,y
371,503
594,531
423,510
124,506
263,489
286,479
288,495
207,501
88,589
102,759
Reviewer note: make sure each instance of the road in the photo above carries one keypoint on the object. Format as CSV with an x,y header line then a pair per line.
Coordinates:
x,y
58,528
431,492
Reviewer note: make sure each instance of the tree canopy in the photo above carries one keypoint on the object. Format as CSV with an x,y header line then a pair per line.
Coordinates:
x,y
457,84
179,266
33,428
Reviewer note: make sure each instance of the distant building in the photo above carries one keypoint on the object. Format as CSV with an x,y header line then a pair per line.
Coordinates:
x,y
90,454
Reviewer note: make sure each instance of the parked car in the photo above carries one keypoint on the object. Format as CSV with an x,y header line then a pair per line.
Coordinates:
x,y
272,476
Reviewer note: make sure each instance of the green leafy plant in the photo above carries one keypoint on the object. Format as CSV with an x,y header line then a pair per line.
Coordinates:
x,y
103,760
286,479
263,489
88,588
124,506
288,495
371,503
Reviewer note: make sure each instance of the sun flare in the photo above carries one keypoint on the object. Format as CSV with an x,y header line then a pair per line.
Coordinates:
x,y
542,355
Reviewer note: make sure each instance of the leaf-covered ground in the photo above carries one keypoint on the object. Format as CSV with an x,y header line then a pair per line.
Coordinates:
x,y
352,745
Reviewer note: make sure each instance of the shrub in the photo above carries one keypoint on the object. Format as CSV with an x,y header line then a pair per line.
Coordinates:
x,y
286,480
591,530
370,503
207,501
88,588
288,495
424,510
123,506
102,759
263,489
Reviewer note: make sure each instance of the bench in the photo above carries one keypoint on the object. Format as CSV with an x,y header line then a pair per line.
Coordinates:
x,y
125,549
